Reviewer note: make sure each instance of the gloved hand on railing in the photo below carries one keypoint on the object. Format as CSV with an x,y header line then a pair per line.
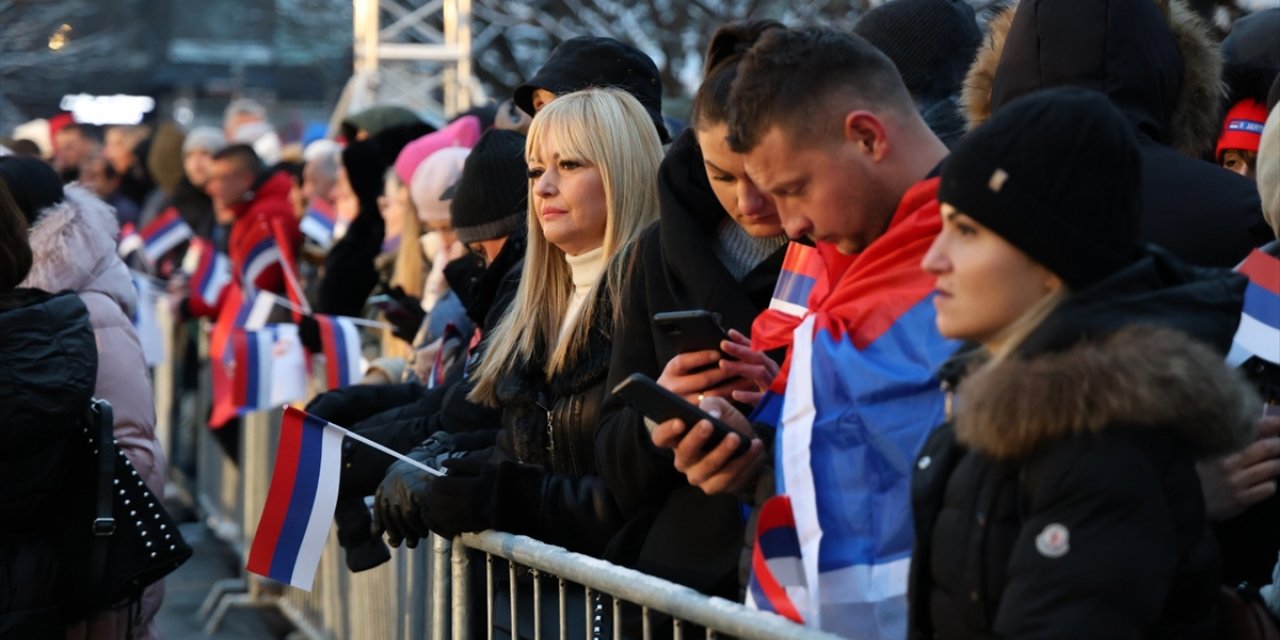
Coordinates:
x,y
398,504
463,500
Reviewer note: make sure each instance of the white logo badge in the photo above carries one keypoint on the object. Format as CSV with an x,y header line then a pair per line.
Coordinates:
x,y
1054,541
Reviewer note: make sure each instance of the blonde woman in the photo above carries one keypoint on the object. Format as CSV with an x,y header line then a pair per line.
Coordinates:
x,y
593,158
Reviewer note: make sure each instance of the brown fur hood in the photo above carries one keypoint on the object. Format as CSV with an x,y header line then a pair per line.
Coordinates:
x,y
1139,377
1188,123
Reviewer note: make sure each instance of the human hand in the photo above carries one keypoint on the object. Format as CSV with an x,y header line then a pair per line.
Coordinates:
x,y
1236,482
753,366
694,375
715,471
462,501
400,500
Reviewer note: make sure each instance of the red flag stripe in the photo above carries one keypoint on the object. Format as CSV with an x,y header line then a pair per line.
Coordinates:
x,y
277,506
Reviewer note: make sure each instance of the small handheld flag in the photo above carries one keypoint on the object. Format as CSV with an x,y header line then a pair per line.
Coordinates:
x,y
270,367
777,570
341,344
262,254
1259,331
801,268
130,241
301,500
164,233
318,223
210,272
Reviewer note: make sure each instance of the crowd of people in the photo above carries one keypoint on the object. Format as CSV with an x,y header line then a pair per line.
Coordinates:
x,y
979,286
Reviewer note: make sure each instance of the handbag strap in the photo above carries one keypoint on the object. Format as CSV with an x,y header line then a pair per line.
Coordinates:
x,y
104,525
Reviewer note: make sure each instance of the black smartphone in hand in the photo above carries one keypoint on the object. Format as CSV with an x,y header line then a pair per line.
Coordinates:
x,y
694,330
659,404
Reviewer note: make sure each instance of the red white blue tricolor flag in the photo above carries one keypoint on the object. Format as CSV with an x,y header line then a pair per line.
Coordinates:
x,y
164,233
777,569
261,256
130,241
1259,331
210,272
300,503
318,223
340,341
855,401
270,368
801,269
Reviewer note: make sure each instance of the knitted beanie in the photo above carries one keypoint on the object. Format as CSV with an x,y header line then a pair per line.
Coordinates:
x,y
429,182
462,132
210,139
1057,174
931,42
488,201
585,62
34,184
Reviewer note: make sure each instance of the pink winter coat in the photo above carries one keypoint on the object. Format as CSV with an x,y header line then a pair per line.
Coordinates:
x,y
75,248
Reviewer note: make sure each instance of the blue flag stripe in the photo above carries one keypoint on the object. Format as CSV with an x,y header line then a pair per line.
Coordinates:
x,y
1263,305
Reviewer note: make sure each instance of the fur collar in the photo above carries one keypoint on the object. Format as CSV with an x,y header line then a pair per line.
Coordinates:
x,y
1138,377
1195,121
528,381
74,242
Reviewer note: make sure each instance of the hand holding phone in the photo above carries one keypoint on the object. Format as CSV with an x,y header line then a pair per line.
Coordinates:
x,y
694,330
661,405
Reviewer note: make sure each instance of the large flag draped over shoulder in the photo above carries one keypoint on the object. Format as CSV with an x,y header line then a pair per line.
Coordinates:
x,y
858,397
1259,331
300,503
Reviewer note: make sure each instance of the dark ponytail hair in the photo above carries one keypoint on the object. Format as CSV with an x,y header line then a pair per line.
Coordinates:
x,y
15,249
728,45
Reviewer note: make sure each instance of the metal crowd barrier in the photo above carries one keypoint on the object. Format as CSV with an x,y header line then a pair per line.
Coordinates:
x,y
490,584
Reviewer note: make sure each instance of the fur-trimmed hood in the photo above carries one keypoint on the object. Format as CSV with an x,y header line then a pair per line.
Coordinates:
x,y
74,243
1166,80
1139,377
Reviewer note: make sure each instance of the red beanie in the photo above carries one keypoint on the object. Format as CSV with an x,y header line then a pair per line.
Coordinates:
x,y
1242,128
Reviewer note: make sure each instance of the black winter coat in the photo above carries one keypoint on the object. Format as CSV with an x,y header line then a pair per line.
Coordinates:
x,y
554,493
48,368
1064,502
1162,71
675,270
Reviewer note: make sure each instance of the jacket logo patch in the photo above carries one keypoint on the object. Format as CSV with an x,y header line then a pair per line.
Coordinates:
x,y
1054,541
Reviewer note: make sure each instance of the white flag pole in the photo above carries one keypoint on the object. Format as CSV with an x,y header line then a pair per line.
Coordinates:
x,y
399,456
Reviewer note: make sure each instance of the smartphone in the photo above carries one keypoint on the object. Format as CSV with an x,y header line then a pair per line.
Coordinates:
x,y
658,404
689,331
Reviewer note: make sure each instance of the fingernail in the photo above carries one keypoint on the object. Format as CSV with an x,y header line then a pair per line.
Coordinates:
x,y
715,413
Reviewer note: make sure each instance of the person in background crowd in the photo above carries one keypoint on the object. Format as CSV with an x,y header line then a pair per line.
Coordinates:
x,y
164,165
1070,511
72,146
717,247
1163,70
374,120
439,244
47,390
72,236
322,160
193,203
126,150
1251,64
931,42
1237,150
245,122
579,63
100,177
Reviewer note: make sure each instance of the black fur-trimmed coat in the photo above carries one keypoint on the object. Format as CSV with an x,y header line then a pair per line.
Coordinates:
x,y
1159,63
1064,501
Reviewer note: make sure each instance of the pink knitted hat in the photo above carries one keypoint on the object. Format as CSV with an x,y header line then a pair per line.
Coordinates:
x,y
462,132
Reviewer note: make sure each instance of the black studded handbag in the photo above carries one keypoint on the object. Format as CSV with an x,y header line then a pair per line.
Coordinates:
x,y
116,537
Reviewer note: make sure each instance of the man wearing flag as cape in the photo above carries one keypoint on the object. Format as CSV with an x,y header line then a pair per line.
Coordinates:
x,y
830,132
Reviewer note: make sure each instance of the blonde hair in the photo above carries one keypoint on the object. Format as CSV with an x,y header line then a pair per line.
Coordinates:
x,y
610,130
1269,169
409,270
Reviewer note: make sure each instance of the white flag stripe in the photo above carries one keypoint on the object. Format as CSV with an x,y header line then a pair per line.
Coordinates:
x,y
322,508
798,415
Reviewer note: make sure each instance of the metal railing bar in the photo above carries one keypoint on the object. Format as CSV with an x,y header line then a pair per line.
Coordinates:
x,y
645,590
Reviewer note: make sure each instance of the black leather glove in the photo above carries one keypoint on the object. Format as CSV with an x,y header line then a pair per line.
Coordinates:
x,y
309,334
463,500
364,551
399,501
406,317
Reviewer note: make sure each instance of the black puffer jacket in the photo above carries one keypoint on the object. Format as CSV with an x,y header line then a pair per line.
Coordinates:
x,y
1064,502
1160,65
675,270
48,366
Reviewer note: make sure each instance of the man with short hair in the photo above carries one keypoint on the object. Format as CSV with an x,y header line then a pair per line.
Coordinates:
x,y
830,132
72,145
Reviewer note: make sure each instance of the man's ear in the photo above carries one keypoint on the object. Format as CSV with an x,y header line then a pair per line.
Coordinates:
x,y
867,133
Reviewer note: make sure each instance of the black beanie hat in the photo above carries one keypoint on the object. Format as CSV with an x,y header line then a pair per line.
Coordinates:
x,y
34,184
1057,174
488,199
585,62
931,42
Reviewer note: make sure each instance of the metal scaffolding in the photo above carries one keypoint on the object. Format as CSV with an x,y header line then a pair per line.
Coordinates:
x,y
413,53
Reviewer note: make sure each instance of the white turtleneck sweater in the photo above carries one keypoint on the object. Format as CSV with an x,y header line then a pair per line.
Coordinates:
x,y
586,269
